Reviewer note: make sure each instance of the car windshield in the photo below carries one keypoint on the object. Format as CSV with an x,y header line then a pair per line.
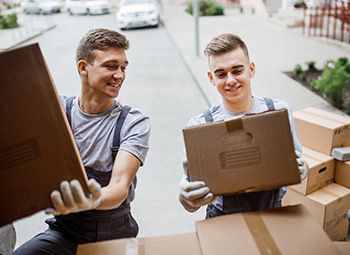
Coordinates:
x,y
130,2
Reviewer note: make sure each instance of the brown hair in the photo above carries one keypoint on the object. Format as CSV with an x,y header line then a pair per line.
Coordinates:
x,y
99,39
224,43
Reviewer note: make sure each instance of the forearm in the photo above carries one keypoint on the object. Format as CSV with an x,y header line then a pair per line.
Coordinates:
x,y
113,196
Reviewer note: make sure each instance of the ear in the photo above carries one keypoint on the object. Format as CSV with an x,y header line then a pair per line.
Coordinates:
x,y
82,67
211,78
251,69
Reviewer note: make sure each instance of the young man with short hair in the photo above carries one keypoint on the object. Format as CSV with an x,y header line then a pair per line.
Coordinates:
x,y
231,71
113,142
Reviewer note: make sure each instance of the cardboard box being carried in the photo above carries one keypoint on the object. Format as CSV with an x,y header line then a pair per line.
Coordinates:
x,y
342,173
321,130
321,172
37,149
242,154
288,230
328,205
182,244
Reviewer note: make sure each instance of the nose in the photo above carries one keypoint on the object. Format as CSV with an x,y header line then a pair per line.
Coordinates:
x,y
118,74
231,79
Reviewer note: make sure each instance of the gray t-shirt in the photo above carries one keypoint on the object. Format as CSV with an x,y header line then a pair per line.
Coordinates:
x,y
93,134
219,112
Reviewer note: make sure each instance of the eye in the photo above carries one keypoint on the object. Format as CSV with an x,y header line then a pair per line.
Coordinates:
x,y
237,71
220,75
111,66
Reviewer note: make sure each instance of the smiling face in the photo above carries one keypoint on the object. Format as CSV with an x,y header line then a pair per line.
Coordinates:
x,y
231,73
104,76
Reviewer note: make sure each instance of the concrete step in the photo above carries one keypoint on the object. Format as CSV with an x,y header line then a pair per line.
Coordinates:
x,y
288,18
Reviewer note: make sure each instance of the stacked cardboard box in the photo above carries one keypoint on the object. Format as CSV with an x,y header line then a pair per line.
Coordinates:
x,y
275,231
321,131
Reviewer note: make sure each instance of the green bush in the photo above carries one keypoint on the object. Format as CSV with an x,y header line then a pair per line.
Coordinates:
x,y
311,66
298,70
334,83
8,21
206,8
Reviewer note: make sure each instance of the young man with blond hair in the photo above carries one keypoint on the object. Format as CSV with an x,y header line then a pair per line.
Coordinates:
x,y
231,72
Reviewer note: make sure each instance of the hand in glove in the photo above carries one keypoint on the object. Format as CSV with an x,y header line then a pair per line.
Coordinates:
x,y
71,197
193,194
302,165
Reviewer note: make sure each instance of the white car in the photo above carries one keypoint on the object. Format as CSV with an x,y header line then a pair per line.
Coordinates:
x,y
41,6
88,6
138,13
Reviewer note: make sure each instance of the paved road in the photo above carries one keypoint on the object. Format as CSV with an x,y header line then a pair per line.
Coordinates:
x,y
159,83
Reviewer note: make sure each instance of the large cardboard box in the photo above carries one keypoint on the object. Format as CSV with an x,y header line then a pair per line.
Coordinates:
x,y
37,149
288,230
242,154
329,206
181,244
321,130
343,247
342,173
321,172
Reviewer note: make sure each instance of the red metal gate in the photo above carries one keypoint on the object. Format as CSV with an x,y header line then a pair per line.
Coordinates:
x,y
331,19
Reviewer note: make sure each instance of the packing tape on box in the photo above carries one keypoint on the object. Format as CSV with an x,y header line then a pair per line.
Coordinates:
x,y
234,125
332,194
261,234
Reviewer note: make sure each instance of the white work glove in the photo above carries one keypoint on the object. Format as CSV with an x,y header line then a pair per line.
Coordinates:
x,y
194,194
71,197
302,166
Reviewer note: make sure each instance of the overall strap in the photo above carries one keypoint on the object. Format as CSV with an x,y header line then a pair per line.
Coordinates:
x,y
69,104
269,104
120,121
208,116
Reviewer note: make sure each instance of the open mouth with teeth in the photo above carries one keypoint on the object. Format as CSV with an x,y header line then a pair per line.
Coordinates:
x,y
234,89
115,85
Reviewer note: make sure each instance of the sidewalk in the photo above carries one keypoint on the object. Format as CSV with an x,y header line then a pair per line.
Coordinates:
x,y
31,26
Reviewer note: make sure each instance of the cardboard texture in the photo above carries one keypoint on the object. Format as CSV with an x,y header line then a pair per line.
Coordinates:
x,y
288,230
182,244
343,247
242,154
321,172
37,149
321,130
342,173
329,206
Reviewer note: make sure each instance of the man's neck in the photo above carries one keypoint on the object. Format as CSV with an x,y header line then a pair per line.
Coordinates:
x,y
244,106
92,104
